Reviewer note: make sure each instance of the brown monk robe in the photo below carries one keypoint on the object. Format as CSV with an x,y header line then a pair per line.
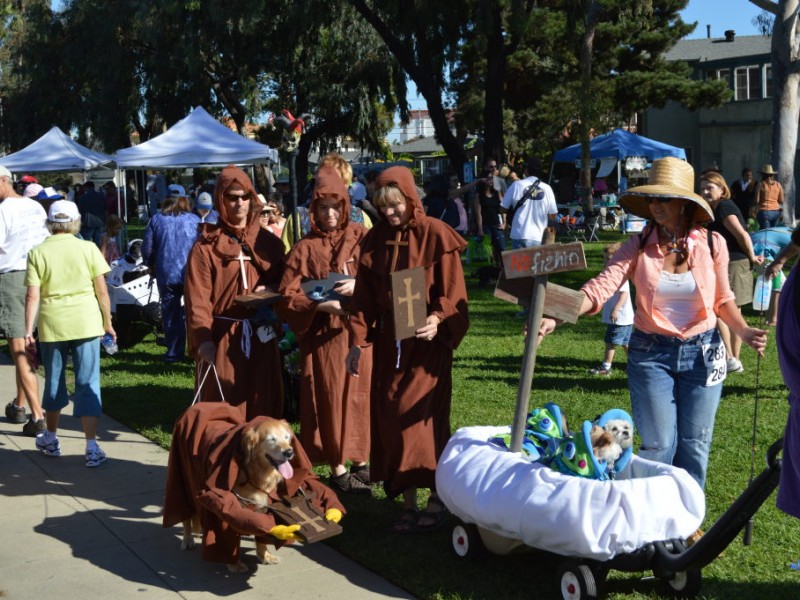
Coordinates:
x,y
334,406
234,257
202,471
411,380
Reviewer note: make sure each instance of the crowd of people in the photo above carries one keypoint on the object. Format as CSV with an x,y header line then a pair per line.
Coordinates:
x,y
690,266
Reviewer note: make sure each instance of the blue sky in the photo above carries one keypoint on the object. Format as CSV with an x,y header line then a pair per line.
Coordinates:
x,y
721,15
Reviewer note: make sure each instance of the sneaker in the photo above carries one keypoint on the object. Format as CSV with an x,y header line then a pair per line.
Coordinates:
x,y
600,372
14,413
735,366
33,428
346,483
52,448
361,474
95,457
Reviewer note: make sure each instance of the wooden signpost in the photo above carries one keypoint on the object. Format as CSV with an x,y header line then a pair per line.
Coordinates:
x,y
536,264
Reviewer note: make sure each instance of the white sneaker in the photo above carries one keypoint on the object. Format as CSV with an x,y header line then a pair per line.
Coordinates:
x,y
95,457
735,365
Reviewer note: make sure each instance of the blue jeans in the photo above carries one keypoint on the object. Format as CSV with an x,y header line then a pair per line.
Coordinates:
x,y
498,238
673,409
86,363
174,320
517,244
768,218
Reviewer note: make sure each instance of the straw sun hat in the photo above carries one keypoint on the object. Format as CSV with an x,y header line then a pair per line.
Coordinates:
x,y
669,178
768,170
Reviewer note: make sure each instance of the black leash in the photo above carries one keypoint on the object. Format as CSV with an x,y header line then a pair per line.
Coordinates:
x,y
748,529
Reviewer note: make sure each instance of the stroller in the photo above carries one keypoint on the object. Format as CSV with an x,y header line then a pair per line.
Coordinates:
x,y
506,503
134,295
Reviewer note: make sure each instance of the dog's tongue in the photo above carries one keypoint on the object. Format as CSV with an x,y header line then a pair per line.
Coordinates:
x,y
286,470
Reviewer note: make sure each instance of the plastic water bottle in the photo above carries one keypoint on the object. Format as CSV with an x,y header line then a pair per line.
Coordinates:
x,y
761,294
109,345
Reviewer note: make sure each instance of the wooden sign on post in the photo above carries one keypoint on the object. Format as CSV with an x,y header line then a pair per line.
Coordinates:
x,y
408,302
537,262
543,260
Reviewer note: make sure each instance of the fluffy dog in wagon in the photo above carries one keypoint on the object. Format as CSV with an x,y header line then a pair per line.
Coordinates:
x,y
224,472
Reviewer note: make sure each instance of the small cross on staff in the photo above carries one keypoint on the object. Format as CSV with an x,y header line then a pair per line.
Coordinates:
x,y
396,250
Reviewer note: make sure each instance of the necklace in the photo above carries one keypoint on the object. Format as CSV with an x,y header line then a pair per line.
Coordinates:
x,y
673,245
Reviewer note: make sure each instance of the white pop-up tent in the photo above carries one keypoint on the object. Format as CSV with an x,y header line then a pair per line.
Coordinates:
x,y
54,151
197,140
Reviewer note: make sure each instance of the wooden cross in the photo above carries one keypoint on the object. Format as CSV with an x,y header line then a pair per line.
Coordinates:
x,y
537,263
408,300
396,250
241,258
306,519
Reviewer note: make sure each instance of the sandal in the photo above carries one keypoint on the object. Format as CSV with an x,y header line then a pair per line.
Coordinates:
x,y
407,523
435,517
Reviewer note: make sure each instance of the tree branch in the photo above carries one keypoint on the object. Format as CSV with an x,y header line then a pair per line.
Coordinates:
x,y
767,5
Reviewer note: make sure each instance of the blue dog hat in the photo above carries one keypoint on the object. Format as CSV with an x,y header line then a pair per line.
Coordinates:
x,y
610,415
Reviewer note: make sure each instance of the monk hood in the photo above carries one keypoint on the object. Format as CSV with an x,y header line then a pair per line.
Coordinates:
x,y
329,184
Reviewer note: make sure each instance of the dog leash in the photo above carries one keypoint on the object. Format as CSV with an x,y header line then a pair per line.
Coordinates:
x,y
203,380
747,539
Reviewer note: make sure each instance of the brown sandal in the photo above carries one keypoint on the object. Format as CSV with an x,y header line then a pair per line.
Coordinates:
x,y
407,523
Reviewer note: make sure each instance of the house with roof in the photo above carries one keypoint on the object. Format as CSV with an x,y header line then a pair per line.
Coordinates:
x,y
732,136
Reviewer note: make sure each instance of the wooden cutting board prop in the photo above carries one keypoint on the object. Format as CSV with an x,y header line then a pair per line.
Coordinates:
x,y
258,299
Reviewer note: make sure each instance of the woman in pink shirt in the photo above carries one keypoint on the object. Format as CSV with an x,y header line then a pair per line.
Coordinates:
x,y
676,359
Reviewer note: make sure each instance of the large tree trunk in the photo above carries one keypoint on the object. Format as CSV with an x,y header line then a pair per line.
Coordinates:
x,y
786,104
587,110
493,143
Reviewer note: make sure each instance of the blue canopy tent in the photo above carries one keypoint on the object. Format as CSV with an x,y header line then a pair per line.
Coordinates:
x,y
620,144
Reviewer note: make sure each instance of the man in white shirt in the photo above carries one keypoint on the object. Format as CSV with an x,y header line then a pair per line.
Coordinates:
x,y
532,214
23,225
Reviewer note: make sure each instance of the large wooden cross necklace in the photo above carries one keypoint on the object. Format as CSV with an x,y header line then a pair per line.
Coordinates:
x,y
396,250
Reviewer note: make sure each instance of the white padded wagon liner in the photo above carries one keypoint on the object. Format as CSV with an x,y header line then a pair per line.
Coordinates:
x,y
484,484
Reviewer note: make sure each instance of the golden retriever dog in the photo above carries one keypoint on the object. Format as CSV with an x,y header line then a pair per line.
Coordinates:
x,y
265,454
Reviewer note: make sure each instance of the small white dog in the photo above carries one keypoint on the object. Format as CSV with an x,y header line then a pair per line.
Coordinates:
x,y
621,430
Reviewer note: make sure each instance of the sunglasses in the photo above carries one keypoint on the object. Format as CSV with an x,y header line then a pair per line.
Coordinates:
x,y
235,197
659,200
266,213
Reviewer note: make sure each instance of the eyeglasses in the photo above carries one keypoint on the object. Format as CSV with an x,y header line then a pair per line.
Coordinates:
x,y
659,200
234,197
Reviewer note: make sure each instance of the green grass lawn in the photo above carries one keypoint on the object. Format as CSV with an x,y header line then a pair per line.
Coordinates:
x,y
148,395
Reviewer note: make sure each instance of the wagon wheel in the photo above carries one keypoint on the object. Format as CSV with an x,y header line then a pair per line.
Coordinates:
x,y
576,581
467,542
685,584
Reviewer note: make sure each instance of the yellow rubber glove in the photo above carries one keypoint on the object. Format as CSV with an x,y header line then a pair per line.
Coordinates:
x,y
333,514
285,533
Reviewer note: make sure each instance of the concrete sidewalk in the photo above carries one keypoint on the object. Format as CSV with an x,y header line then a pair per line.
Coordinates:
x,y
69,531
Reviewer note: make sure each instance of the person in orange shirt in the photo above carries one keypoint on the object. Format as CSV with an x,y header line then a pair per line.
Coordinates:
x,y
769,199
676,358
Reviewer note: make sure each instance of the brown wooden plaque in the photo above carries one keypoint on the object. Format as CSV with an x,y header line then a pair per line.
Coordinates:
x,y
559,302
257,299
543,260
408,302
299,511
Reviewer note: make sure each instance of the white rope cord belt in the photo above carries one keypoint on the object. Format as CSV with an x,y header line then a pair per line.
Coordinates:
x,y
203,380
247,332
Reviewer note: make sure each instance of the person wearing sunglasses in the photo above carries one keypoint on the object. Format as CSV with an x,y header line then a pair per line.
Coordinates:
x,y
676,358
232,259
271,217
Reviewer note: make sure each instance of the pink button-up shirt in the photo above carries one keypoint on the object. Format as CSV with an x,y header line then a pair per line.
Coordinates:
x,y
644,268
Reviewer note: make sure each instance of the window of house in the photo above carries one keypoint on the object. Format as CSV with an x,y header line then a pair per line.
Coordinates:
x,y
767,81
748,83
715,74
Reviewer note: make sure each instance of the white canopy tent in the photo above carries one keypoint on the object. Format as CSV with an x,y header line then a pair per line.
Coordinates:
x,y
54,151
197,140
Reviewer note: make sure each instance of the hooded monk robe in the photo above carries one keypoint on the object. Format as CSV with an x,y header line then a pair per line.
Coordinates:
x,y
334,406
213,282
411,381
202,470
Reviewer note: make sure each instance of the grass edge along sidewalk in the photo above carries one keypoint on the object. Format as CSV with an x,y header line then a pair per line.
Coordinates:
x,y
147,395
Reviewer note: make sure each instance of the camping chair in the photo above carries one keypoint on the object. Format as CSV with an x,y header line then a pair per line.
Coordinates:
x,y
591,227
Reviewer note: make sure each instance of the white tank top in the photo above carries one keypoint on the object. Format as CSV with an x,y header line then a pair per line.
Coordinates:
x,y
678,299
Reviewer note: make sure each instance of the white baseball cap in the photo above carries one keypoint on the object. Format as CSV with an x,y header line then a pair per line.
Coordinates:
x,y
66,208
